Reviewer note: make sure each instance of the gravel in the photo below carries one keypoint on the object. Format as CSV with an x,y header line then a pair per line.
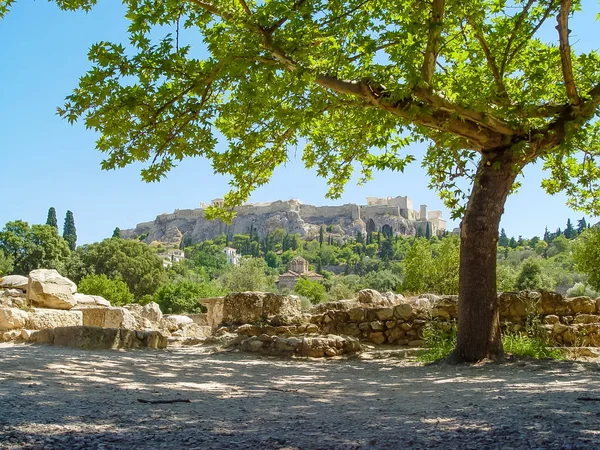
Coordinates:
x,y
54,397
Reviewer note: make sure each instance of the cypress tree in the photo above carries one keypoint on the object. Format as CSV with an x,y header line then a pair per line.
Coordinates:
x,y
51,220
321,236
69,231
117,233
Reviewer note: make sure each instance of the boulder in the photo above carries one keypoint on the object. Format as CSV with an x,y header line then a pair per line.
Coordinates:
x,y
152,312
12,319
583,305
174,322
553,303
113,317
14,282
90,301
40,319
371,298
445,307
192,330
48,289
249,307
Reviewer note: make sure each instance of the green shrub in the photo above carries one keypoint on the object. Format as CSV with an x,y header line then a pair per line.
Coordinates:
x,y
440,340
115,291
182,297
313,290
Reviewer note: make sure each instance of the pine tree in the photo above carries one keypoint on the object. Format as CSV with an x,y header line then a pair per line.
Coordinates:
x,y
51,220
581,225
69,231
117,233
569,231
503,239
547,236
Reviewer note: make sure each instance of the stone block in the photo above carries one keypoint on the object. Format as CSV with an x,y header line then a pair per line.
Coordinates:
x,y
583,305
12,319
403,311
40,319
113,317
385,314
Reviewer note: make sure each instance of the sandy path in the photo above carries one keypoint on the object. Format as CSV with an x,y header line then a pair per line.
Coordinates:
x,y
62,398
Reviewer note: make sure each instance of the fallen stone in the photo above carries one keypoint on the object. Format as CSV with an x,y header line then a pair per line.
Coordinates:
x,y
14,282
96,338
174,322
113,317
12,319
90,301
40,319
48,289
249,307
372,298
583,305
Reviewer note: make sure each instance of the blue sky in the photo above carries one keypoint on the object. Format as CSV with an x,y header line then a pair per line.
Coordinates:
x,y
47,162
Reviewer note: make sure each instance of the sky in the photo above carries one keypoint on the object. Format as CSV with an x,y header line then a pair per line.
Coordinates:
x,y
45,162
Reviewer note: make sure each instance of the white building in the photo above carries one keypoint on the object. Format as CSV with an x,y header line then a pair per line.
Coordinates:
x,y
232,256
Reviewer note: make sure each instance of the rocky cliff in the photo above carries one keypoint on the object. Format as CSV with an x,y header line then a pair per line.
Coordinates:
x,y
292,216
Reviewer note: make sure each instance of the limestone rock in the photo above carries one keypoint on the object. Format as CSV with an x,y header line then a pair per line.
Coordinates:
x,y
339,305
12,319
48,289
583,305
40,319
192,330
90,301
445,307
96,338
14,282
113,317
403,311
174,322
553,303
249,307
152,312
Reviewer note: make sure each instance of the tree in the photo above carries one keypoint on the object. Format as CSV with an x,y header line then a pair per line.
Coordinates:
x,y
6,263
35,247
418,262
250,275
569,232
581,225
313,290
475,80
503,239
321,236
51,220
69,231
531,277
129,260
117,233
113,290
586,254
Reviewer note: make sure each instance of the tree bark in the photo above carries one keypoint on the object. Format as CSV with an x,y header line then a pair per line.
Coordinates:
x,y
478,318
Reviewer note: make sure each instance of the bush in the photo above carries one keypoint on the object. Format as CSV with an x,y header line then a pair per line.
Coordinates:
x,y
581,289
313,290
182,297
115,291
439,339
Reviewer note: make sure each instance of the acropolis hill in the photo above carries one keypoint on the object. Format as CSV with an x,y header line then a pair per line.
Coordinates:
x,y
392,214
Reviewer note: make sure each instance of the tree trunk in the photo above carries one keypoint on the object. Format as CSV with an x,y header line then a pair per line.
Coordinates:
x,y
478,318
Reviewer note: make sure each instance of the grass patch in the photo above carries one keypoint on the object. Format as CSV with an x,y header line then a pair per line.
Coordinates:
x,y
440,340
529,347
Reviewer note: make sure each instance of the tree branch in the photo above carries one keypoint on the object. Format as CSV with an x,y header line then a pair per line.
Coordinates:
x,y
491,61
518,48
380,47
433,41
513,34
347,13
565,51
297,4
245,7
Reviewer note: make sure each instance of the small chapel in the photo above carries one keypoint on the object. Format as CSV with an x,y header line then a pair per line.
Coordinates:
x,y
298,267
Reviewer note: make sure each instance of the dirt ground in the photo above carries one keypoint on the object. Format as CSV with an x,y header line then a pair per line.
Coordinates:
x,y
64,398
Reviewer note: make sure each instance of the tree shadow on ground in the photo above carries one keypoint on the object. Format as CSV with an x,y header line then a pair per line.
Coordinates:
x,y
54,397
